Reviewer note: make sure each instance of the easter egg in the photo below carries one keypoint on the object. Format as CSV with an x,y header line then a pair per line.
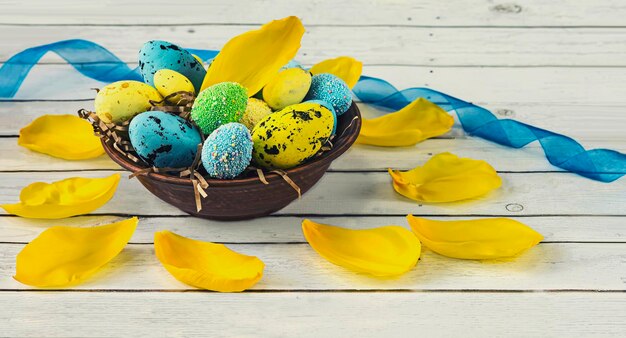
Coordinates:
x,y
164,140
292,64
330,88
120,101
157,54
286,88
332,110
291,136
168,82
227,151
219,104
256,110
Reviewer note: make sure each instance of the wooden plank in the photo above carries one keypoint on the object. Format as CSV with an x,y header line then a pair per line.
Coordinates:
x,y
371,193
372,45
297,314
359,158
286,229
584,122
324,12
554,85
567,266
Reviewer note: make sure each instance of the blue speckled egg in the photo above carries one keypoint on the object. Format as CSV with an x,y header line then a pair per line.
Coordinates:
x,y
164,140
329,88
227,151
157,54
332,110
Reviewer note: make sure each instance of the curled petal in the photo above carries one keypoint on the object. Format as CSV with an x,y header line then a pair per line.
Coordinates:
x,y
64,136
419,120
446,178
206,265
255,57
385,251
62,255
344,67
65,198
488,238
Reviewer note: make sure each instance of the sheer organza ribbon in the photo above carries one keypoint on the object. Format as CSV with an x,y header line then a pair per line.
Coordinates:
x,y
96,62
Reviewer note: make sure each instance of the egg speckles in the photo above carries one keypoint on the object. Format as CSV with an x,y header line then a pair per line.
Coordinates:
x,y
120,101
157,54
219,104
164,140
289,137
168,82
330,88
256,110
227,151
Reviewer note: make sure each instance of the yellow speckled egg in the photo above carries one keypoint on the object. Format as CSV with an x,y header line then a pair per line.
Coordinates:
x,y
289,137
256,110
288,87
168,81
120,101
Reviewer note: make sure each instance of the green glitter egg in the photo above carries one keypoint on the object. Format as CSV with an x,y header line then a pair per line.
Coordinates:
x,y
219,104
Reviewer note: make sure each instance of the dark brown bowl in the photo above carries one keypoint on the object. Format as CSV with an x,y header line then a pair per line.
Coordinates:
x,y
245,198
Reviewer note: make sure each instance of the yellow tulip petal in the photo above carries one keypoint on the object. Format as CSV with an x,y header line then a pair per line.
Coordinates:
x,y
62,255
255,57
489,238
65,198
446,178
344,67
64,136
206,265
385,251
419,120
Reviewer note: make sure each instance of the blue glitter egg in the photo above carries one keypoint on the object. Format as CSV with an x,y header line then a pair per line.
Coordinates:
x,y
157,54
227,151
164,140
329,88
332,110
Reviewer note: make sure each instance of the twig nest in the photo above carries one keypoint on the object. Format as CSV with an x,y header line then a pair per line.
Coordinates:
x,y
164,140
227,151
219,104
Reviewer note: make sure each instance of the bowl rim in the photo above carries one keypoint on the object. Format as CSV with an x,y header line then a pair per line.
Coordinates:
x,y
344,142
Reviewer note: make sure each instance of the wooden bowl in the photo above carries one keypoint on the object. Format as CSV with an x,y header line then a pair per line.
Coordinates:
x,y
245,198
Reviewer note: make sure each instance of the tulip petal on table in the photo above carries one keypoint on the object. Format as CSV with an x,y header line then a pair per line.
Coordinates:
x,y
62,255
446,178
344,67
383,252
65,198
206,265
418,121
489,238
253,58
64,136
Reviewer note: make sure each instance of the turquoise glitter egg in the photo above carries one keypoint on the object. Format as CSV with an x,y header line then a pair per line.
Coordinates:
x,y
329,88
158,54
332,110
227,151
164,140
219,104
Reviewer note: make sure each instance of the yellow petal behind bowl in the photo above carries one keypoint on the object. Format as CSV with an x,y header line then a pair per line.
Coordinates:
x,y
64,136
446,178
206,265
255,57
62,256
489,238
344,67
418,121
385,251
65,198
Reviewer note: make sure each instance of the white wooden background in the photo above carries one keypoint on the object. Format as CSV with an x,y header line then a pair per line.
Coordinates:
x,y
558,64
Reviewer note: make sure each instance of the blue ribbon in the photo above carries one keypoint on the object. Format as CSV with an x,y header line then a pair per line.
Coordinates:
x,y
96,62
